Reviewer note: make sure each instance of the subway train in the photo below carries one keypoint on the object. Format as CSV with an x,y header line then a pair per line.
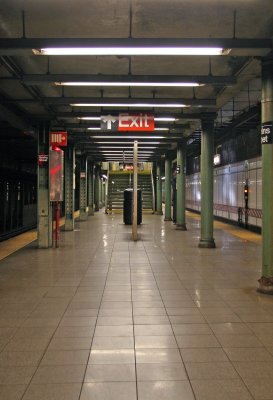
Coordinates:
x,y
18,199
237,193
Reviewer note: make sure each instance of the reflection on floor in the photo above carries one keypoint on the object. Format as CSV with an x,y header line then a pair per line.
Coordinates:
x,y
105,318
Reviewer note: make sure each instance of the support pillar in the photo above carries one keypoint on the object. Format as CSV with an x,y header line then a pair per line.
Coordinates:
x,y
207,150
181,188
97,188
90,189
135,207
266,281
103,192
158,189
69,172
83,189
168,189
44,214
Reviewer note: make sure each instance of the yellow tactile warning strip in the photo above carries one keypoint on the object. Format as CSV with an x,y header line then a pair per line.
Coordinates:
x,y
232,230
18,242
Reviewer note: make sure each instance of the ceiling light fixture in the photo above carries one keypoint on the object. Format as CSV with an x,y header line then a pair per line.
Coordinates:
x,y
131,51
90,118
133,84
141,105
140,143
127,137
165,119
157,119
122,147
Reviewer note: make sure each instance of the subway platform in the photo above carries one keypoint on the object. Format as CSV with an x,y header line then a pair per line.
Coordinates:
x,y
104,318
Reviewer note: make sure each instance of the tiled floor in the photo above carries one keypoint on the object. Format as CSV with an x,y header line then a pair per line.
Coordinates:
x,y
105,318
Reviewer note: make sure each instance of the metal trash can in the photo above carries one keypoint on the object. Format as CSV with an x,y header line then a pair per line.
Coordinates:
x,y
128,207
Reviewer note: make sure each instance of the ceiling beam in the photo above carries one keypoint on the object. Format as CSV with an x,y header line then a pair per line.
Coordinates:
x,y
81,114
116,101
44,79
14,120
24,46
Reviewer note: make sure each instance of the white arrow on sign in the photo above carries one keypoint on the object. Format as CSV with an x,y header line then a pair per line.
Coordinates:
x,y
109,119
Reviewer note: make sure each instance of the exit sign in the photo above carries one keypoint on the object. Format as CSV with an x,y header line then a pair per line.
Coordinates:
x,y
128,122
58,139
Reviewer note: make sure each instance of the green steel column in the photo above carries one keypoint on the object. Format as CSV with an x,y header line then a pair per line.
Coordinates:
x,y
69,172
266,281
103,192
207,150
100,191
90,189
97,188
181,187
44,213
83,189
168,189
158,189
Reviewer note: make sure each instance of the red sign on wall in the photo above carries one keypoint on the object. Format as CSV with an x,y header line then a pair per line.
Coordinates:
x,y
58,139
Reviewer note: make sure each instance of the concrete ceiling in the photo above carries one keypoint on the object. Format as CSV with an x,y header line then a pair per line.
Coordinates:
x,y
121,19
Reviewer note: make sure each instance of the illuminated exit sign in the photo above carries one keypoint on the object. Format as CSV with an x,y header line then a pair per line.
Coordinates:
x,y
58,139
128,122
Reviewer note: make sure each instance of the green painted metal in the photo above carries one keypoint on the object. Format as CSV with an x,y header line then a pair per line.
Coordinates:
x,y
181,188
69,171
83,189
207,150
168,189
267,173
90,178
44,212
97,187
159,189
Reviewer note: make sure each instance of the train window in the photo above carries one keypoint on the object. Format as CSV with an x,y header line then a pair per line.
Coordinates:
x,y
7,192
26,194
19,191
33,194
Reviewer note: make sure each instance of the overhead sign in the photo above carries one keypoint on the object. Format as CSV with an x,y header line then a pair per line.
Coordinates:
x,y
266,133
58,139
128,122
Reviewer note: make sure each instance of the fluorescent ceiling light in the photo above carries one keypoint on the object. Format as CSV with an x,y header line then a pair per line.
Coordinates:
x,y
90,118
140,143
167,119
127,137
133,84
128,150
94,128
122,147
161,129
158,119
142,105
130,51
